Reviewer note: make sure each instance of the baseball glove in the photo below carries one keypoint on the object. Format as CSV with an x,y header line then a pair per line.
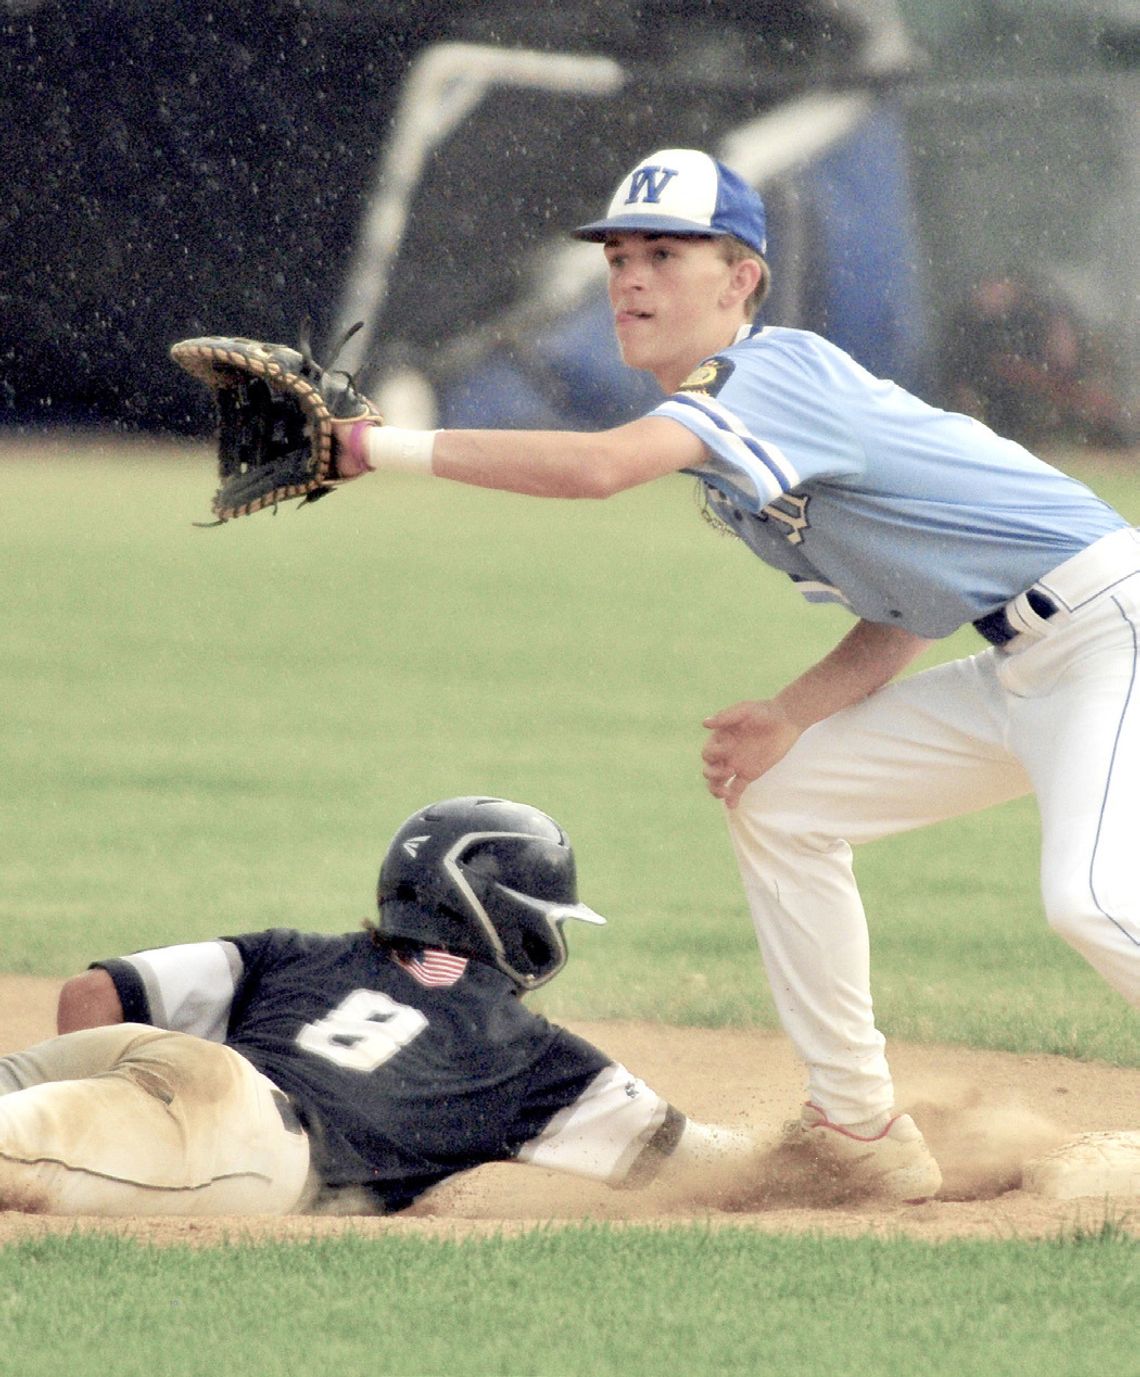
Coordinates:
x,y
276,407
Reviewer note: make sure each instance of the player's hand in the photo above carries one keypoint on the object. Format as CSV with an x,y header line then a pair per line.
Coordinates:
x,y
747,739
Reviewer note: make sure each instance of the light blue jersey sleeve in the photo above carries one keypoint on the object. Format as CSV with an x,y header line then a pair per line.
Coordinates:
x,y
867,496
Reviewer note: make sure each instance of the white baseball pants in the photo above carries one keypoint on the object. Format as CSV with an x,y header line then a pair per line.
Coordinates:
x,y
133,1120
1056,713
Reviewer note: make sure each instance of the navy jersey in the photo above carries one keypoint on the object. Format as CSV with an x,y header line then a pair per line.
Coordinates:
x,y
865,495
403,1069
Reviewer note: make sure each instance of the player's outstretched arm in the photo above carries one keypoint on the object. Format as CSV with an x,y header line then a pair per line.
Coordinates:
x,y
620,1131
538,463
709,1145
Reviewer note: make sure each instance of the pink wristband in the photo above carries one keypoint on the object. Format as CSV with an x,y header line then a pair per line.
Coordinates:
x,y
352,456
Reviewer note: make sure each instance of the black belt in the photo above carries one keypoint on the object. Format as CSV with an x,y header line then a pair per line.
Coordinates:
x,y
996,627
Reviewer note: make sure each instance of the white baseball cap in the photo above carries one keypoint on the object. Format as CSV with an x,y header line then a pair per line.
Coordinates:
x,y
682,191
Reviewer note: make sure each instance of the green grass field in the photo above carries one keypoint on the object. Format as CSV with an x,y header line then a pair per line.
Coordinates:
x,y
587,1302
213,731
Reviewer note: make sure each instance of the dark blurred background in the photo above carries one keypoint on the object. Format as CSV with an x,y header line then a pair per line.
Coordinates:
x,y
180,167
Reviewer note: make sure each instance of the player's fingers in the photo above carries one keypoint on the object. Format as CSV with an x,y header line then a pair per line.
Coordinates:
x,y
727,717
715,751
718,777
728,788
735,789
718,787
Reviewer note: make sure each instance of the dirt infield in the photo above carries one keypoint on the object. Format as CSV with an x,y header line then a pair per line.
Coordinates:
x,y
984,1114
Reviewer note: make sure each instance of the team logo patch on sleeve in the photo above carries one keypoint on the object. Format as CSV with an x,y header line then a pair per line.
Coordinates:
x,y
708,377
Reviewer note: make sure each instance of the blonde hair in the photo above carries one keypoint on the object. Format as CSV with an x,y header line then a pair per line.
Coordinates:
x,y
735,250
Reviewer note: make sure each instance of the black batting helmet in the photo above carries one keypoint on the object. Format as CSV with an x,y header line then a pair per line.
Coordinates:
x,y
485,878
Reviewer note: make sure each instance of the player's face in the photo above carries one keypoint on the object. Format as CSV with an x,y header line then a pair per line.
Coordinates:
x,y
672,302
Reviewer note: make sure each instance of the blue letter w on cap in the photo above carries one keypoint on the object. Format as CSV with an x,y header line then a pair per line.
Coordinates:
x,y
647,184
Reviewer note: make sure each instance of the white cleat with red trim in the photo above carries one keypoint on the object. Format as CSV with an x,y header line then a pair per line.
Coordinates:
x,y
891,1164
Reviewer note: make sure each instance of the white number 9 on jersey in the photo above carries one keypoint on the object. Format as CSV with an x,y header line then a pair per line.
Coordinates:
x,y
363,1031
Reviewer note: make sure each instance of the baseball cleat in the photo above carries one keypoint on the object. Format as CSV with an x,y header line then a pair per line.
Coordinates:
x,y
895,1164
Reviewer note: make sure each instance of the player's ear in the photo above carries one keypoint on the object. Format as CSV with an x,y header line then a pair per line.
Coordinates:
x,y
743,281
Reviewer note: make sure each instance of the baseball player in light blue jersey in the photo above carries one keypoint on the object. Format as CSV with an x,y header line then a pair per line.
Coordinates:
x,y
917,520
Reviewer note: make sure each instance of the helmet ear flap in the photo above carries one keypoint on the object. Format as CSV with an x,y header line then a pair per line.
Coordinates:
x,y
532,948
535,949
